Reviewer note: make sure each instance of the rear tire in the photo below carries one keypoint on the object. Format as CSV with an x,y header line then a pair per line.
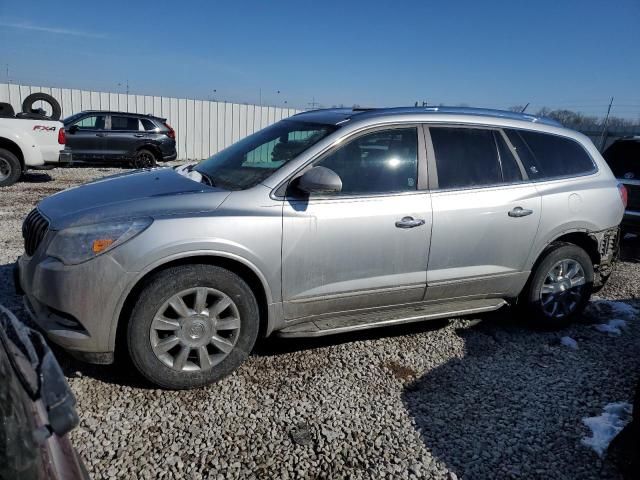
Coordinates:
x,y
207,336
144,159
559,287
10,168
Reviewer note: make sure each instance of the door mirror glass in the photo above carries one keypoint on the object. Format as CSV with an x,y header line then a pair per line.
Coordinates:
x,y
319,180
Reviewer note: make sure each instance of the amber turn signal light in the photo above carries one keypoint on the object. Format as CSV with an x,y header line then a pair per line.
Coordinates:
x,y
101,244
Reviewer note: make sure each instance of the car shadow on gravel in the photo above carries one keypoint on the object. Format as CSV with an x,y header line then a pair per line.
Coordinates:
x,y
31,176
512,406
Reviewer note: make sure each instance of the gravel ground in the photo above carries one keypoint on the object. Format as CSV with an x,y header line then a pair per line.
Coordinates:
x,y
446,399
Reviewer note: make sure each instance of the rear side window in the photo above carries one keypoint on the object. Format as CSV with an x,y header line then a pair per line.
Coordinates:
x,y
147,124
124,123
467,157
547,156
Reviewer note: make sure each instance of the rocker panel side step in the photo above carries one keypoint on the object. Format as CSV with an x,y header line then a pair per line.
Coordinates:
x,y
384,318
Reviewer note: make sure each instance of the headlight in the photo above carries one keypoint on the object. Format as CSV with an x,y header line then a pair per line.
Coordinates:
x,y
79,244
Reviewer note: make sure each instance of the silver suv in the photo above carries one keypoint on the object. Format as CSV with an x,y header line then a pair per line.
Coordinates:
x,y
330,221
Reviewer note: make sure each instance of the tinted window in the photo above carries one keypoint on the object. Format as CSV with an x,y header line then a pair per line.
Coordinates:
x,y
254,158
465,157
147,124
380,162
124,123
551,156
510,170
624,159
93,122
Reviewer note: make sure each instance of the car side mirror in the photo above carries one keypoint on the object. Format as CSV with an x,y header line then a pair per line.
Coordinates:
x,y
72,129
319,180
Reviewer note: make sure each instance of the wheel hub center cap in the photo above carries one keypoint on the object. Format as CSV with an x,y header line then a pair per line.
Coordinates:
x,y
197,330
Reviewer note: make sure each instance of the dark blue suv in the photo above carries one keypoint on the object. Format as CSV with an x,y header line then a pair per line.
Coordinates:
x,y
96,136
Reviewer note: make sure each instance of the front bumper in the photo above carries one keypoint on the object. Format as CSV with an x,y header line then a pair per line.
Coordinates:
x,y
75,306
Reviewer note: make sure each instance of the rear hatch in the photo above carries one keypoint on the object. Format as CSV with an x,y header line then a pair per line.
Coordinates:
x,y
623,157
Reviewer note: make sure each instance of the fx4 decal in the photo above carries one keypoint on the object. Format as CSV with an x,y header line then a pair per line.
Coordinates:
x,y
43,128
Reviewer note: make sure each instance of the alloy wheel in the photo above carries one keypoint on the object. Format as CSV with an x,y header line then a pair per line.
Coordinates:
x,y
5,169
563,289
143,160
195,329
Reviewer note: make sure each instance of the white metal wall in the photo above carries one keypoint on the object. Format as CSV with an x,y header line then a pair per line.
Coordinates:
x,y
202,127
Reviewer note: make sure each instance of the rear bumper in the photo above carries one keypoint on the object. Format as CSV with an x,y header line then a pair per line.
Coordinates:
x,y
631,220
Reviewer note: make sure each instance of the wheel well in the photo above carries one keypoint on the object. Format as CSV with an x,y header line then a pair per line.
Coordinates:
x,y
153,149
585,241
13,148
234,266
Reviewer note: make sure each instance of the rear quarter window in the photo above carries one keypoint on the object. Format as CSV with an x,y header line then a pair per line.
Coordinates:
x,y
546,156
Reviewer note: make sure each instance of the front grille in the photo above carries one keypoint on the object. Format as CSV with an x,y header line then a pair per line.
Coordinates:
x,y
34,229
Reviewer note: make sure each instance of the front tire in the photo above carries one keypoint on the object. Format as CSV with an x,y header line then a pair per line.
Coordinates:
x,y
192,326
560,286
10,168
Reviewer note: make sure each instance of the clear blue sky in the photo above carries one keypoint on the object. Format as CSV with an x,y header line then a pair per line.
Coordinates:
x,y
573,54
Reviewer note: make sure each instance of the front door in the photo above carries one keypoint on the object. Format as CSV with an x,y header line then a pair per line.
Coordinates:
x,y
485,215
366,246
86,138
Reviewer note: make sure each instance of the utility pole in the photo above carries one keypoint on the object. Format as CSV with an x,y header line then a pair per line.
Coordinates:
x,y
313,104
603,138
8,79
260,96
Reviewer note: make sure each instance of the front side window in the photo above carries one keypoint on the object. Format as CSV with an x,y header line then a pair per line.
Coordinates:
x,y
124,123
256,157
466,157
93,122
547,156
380,162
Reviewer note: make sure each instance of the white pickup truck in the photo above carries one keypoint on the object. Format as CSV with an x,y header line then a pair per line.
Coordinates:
x,y
28,143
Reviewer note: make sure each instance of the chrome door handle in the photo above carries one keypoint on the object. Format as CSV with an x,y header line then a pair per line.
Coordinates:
x,y
100,134
138,135
409,222
520,212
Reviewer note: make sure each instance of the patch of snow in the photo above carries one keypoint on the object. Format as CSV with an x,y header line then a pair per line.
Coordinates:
x,y
613,327
569,342
606,426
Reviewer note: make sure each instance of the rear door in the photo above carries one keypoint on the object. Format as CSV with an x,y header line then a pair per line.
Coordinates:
x,y
86,137
485,216
124,135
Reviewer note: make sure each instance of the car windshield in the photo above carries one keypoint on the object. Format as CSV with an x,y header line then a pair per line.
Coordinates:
x,y
254,158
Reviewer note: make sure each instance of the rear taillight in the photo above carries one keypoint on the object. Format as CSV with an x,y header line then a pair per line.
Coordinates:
x,y
624,195
62,139
171,133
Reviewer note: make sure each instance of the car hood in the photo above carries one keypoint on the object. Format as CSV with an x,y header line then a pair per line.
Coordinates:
x,y
142,193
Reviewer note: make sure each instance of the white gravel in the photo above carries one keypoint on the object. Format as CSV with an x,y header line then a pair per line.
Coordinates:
x,y
447,399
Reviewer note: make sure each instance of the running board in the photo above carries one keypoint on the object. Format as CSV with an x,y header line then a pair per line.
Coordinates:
x,y
385,318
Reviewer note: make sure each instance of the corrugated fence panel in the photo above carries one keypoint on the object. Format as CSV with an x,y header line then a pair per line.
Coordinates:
x,y
202,127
